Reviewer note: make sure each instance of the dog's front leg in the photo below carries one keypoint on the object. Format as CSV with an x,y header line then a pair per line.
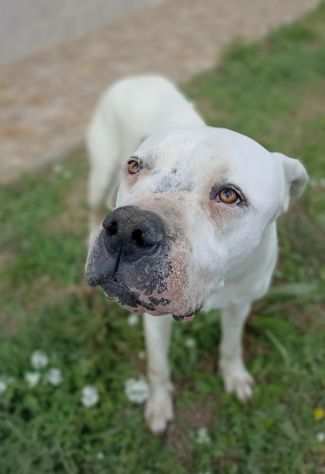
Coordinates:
x,y
236,378
159,408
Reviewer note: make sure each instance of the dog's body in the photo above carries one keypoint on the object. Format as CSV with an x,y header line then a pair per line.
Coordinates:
x,y
194,226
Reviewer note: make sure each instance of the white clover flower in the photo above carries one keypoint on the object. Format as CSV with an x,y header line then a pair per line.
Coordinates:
x,y
39,360
54,376
190,342
133,320
137,390
89,396
100,456
202,436
3,386
320,437
32,378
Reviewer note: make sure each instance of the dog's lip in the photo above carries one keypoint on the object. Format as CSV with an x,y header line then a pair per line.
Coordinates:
x,y
177,317
119,283
185,317
188,316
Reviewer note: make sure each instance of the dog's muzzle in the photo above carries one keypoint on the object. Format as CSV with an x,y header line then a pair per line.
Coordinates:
x,y
129,256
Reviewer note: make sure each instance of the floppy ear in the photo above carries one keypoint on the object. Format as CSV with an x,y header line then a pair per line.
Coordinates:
x,y
295,175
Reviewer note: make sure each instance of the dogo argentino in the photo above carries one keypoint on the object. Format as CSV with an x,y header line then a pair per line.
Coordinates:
x,y
193,226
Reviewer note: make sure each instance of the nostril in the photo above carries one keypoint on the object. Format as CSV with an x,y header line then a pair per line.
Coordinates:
x,y
112,228
137,237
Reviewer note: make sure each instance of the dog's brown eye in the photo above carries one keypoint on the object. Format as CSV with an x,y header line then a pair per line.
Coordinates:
x,y
134,165
226,195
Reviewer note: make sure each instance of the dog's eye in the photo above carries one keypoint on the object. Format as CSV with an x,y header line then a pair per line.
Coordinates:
x,y
134,165
226,195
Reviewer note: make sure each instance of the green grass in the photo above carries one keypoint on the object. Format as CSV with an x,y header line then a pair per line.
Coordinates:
x,y
274,91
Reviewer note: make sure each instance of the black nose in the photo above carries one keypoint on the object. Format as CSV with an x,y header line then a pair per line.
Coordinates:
x,y
132,232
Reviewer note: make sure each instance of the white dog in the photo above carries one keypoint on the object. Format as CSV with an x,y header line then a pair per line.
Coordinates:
x,y
194,225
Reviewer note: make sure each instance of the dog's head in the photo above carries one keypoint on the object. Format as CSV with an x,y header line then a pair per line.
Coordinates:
x,y
192,208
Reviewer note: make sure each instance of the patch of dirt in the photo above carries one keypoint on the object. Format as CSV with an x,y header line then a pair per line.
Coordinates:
x,y
189,419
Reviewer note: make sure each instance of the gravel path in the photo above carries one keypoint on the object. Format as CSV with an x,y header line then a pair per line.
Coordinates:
x,y
29,26
46,101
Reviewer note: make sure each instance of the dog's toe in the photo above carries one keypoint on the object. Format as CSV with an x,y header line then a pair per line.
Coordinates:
x,y
158,412
238,381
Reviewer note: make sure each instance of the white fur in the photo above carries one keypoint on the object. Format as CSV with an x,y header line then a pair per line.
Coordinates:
x,y
230,253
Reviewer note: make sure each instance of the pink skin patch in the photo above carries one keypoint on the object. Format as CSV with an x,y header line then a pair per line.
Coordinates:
x,y
177,299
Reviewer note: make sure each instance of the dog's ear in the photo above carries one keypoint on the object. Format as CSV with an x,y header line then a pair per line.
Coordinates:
x,y
295,175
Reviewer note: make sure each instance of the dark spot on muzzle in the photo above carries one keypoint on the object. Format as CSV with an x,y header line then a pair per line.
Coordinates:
x,y
130,256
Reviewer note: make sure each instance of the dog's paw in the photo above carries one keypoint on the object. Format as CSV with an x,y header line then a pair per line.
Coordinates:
x,y
237,380
159,411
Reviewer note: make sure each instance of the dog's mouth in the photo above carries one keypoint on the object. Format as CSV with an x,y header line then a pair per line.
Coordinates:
x,y
183,317
116,290
188,316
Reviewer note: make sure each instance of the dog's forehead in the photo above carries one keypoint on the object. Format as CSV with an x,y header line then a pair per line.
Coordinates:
x,y
169,148
185,157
